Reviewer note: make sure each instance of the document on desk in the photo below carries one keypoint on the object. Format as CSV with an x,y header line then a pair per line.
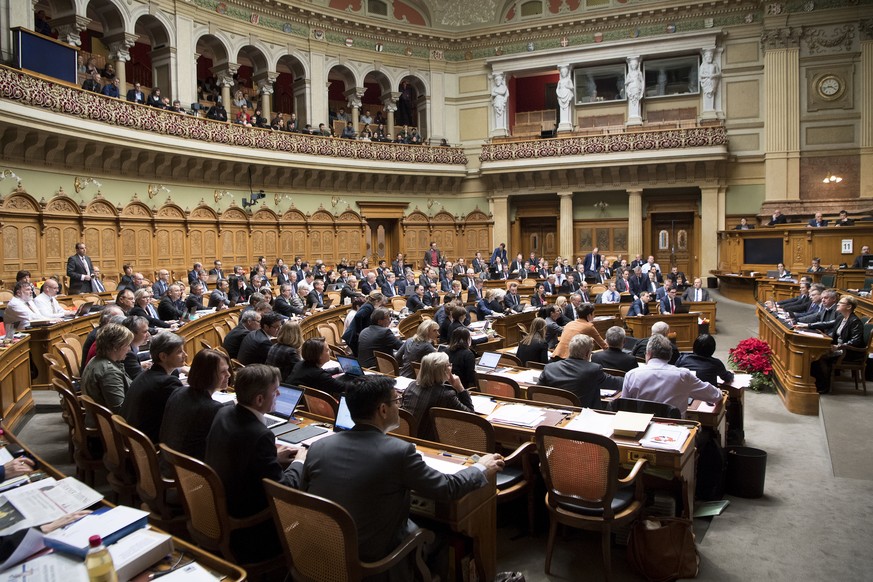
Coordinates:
x,y
518,414
401,383
483,404
591,421
46,500
441,465
524,376
741,380
665,436
47,568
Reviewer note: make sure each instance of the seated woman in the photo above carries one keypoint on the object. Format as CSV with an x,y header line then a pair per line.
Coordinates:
x,y
139,326
848,333
104,378
533,348
455,318
490,304
418,346
701,362
285,353
143,307
463,358
538,299
190,410
435,386
309,371
416,301
561,304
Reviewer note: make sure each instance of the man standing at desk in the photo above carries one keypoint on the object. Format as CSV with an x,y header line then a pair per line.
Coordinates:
x,y
382,468
863,259
79,271
661,381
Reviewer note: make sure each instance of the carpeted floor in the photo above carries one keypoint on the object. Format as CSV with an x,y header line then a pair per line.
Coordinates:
x,y
812,523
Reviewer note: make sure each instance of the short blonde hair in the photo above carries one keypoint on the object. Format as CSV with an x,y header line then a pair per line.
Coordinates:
x,y
110,337
422,334
433,370
290,335
141,292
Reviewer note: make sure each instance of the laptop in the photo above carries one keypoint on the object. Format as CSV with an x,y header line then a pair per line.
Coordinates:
x,y
683,308
350,367
82,310
287,401
343,417
488,363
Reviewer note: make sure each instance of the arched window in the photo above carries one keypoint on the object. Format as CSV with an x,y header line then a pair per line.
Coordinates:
x,y
377,8
530,9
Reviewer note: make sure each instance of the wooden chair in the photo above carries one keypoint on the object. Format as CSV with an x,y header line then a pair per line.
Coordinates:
x,y
623,309
386,364
828,280
221,331
509,360
498,386
328,333
336,296
110,284
5,295
86,463
320,403
522,328
398,302
116,457
659,409
858,368
233,320
71,363
614,372
236,365
205,504
204,345
552,395
597,289
408,425
152,487
584,491
339,327
471,431
416,368
320,540
336,350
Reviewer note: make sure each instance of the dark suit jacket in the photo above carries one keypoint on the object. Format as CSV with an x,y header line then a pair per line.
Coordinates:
x,y
366,288
136,97
420,399
690,292
144,403
780,220
254,348
853,335
512,302
665,304
824,320
621,285
536,351
812,222
305,374
188,416
638,308
389,290
167,310
582,378
614,359
414,303
587,264
707,369
859,261
376,338
153,322
315,299
75,272
233,340
281,306
393,467
638,284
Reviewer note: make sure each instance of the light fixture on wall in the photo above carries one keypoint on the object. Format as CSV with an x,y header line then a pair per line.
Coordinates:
x,y
219,194
336,200
602,206
9,174
80,183
431,203
832,179
155,189
280,196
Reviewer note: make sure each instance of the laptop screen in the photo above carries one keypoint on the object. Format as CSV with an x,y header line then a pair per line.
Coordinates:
x,y
287,401
350,366
489,360
84,308
343,416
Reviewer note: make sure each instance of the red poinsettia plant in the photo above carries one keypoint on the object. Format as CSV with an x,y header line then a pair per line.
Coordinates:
x,y
752,356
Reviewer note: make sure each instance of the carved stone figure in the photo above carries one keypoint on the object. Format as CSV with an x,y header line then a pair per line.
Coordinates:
x,y
565,92
634,85
499,97
709,75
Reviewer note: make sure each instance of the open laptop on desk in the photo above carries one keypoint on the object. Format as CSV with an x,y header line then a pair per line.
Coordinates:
x,y
83,309
488,363
343,416
351,368
286,403
683,308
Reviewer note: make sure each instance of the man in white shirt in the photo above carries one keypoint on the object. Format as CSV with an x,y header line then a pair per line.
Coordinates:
x,y
20,309
610,295
47,303
649,265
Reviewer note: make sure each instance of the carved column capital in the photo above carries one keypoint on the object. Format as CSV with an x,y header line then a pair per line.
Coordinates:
x,y
353,97
265,83
224,73
865,26
781,38
69,27
389,101
119,46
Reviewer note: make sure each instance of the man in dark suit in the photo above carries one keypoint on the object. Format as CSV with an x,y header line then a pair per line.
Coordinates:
x,y
194,273
818,221
432,257
475,293
368,285
571,309
388,287
844,219
512,300
243,452
661,292
79,271
670,302
592,263
777,218
638,282
377,337
218,299
478,263
640,306
498,253
392,468
171,306
696,292
217,270
315,299
469,280
862,259
254,346
796,303
249,321
580,376
136,95
571,285
550,286
143,406
281,304
614,357
661,328
826,319
744,225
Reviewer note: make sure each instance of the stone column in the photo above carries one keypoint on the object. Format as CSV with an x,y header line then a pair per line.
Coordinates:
x,y
302,93
500,212
353,101
782,97
265,90
224,77
566,247
423,109
865,75
317,110
722,205
634,223
709,212
69,27
119,54
389,104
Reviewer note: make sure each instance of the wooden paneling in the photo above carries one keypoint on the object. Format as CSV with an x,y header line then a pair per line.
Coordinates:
x,y
610,236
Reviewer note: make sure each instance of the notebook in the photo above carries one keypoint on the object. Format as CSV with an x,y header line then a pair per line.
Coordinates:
x,y
488,363
287,401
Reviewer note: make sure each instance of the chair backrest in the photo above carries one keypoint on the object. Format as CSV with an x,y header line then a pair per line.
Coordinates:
x,y
320,403
552,395
398,302
114,452
204,345
236,365
68,355
6,295
74,415
233,320
535,365
498,386
75,342
335,296
339,327
386,363
416,368
318,536
60,373
659,409
828,280
204,500
150,484
462,429
579,468
623,308
508,360
110,284
408,426
336,350
597,289
522,328
328,333
614,372
221,331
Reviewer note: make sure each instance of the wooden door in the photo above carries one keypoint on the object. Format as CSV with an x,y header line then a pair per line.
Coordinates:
x,y
673,241
382,239
538,235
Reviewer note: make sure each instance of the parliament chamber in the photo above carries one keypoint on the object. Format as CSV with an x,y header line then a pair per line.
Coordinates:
x,y
555,128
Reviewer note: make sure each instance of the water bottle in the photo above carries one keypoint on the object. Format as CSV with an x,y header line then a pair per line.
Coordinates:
x,y
98,562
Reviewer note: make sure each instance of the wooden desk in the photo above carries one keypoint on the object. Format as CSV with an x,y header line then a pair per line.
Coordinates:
x,y
227,571
707,309
684,324
714,421
309,324
737,287
507,326
793,354
851,278
15,397
43,338
204,328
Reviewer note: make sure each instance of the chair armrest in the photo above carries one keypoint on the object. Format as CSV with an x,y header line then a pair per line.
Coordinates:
x,y
635,472
519,453
413,541
252,520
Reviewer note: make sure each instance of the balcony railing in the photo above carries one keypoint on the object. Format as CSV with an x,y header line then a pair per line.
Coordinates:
x,y
39,92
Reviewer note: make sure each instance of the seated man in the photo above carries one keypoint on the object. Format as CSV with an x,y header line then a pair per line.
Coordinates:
x,y
826,318
553,315
249,321
670,302
640,306
256,345
377,337
611,295
614,357
701,362
818,221
243,452
849,332
391,469
579,375
660,381
46,302
658,328
20,309
815,267
696,292
862,259
844,219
